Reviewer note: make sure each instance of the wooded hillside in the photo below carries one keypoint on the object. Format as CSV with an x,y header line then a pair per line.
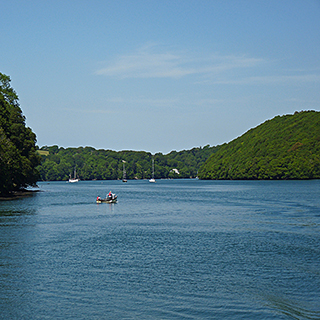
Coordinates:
x,y
18,157
286,147
59,163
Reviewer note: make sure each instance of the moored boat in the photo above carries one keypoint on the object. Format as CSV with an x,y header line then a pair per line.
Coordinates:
x,y
124,178
74,179
152,179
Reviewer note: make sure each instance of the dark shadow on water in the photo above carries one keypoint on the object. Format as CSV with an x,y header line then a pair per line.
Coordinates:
x,y
292,308
16,213
19,195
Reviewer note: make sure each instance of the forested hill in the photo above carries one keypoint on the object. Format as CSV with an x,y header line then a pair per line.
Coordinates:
x,y
286,147
59,163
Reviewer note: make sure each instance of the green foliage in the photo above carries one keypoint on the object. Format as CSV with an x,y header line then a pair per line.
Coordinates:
x,y
107,165
286,147
18,157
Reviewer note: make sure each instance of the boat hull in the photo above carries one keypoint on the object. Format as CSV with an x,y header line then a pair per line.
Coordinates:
x,y
106,201
73,180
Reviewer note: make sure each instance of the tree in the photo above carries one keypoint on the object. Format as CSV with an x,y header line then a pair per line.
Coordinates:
x,y
18,156
286,147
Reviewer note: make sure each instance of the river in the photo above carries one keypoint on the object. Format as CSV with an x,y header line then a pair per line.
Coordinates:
x,y
174,249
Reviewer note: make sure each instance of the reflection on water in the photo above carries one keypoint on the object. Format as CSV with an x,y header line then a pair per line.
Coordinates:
x,y
170,250
16,213
292,308
15,216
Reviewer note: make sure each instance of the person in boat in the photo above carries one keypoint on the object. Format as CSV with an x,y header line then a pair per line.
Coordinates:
x,y
98,198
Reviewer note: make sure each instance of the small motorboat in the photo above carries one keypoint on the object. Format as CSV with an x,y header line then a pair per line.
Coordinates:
x,y
111,198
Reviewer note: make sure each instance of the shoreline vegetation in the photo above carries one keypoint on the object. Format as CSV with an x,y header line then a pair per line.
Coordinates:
x,y
285,147
91,164
18,156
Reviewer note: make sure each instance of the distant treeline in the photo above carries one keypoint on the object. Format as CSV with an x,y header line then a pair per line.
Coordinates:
x,y
58,163
286,147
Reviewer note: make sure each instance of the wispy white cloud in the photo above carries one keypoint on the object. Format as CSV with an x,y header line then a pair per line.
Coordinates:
x,y
278,79
151,62
89,110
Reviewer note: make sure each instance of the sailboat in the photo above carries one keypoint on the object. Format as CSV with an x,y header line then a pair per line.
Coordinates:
x,y
152,179
74,179
124,178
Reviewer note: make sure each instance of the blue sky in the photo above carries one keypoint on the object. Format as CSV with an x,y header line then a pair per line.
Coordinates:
x,y
158,75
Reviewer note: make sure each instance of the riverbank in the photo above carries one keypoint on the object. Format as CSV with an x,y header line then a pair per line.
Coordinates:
x,y
18,194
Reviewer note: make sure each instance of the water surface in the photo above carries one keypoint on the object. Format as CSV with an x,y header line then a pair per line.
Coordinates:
x,y
174,249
